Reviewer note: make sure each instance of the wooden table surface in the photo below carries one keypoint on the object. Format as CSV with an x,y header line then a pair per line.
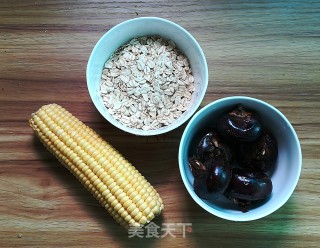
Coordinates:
x,y
264,49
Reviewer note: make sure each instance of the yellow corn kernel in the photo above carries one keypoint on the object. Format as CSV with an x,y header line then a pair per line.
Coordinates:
x,y
110,178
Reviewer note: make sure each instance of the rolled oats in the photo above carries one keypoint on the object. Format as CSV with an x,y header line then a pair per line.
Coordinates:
x,y
147,83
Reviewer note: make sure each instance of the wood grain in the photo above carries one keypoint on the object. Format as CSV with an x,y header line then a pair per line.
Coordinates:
x,y
265,49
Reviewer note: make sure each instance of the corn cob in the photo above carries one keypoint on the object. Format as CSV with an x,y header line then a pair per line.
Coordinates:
x,y
110,178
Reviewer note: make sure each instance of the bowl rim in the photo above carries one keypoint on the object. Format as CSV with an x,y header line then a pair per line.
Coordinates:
x,y
164,129
216,212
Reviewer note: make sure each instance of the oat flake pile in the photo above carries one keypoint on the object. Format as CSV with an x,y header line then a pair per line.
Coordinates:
x,y
147,83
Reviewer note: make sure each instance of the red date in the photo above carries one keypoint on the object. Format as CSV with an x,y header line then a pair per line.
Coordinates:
x,y
249,185
211,178
238,140
219,177
212,146
260,154
197,168
239,125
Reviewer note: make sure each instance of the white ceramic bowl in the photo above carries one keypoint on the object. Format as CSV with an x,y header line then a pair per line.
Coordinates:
x,y
288,165
124,32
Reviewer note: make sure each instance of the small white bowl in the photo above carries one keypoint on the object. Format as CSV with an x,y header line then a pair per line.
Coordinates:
x,y
287,169
124,32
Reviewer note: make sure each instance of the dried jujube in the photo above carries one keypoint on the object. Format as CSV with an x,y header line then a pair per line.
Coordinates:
x,y
211,178
249,185
212,146
239,125
261,154
197,167
241,174
200,188
219,177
